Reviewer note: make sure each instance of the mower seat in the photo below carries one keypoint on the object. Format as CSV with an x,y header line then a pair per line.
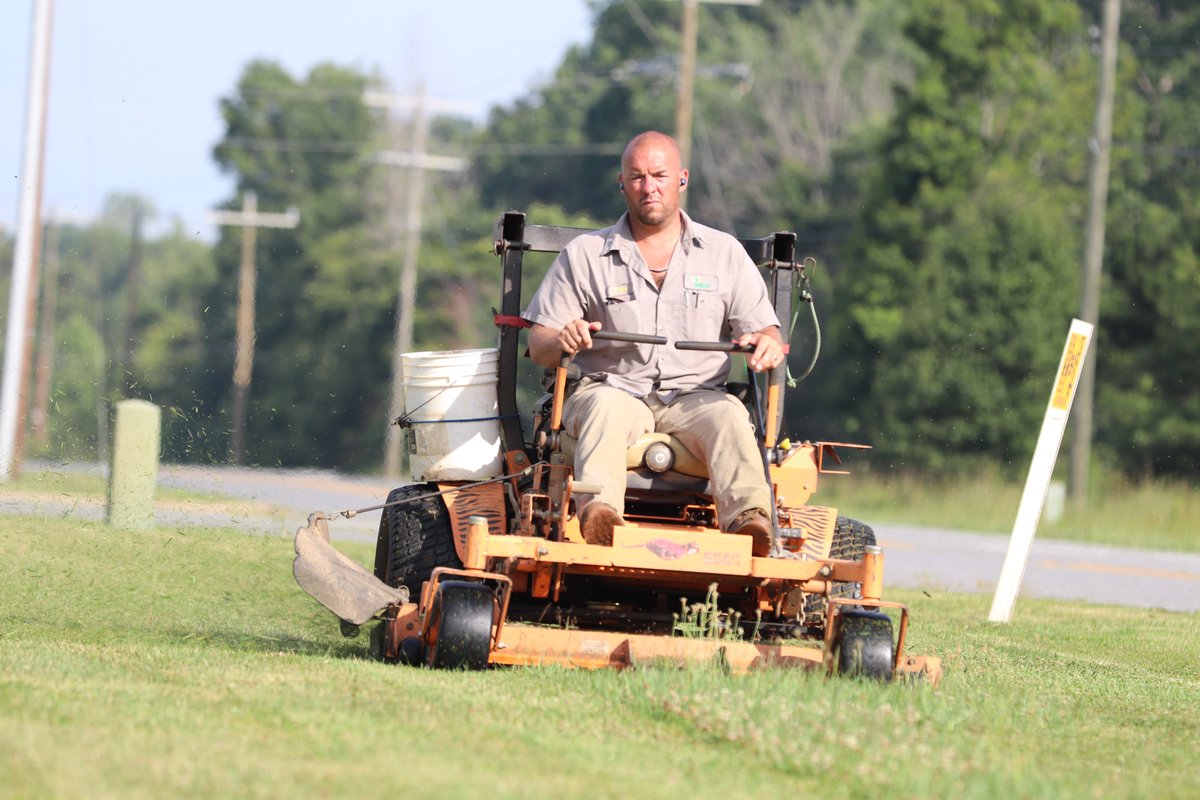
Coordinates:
x,y
656,461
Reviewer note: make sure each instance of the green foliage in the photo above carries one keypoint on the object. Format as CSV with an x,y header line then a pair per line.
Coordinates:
x,y
325,289
963,279
128,323
1148,408
819,72
7,245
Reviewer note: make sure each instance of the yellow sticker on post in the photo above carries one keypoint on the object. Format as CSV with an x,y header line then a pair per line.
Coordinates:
x,y
1068,373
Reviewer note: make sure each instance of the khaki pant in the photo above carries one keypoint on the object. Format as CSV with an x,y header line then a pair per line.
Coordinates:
x,y
712,424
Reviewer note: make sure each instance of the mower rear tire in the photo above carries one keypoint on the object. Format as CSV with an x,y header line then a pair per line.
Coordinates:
x,y
863,647
459,632
850,541
415,538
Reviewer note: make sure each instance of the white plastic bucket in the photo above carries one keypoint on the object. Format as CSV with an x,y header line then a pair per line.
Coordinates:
x,y
450,402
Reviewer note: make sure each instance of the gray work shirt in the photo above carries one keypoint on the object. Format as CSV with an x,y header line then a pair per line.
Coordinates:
x,y
712,292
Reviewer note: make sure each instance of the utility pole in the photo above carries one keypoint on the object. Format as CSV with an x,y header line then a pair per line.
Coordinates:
x,y
1093,255
686,80
685,85
249,219
414,161
40,414
22,292
133,279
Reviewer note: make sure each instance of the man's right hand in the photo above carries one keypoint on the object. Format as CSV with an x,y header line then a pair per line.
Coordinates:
x,y
576,336
547,345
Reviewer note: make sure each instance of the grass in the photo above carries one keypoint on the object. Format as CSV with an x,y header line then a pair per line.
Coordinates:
x,y
1158,515
186,663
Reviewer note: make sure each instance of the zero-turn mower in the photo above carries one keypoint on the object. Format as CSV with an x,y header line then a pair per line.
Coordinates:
x,y
494,571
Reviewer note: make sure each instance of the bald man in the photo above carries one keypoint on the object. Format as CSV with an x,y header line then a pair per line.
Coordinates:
x,y
658,272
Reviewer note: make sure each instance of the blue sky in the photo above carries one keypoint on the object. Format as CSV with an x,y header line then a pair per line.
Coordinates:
x,y
135,83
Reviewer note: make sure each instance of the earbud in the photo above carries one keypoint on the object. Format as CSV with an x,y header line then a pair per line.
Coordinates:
x,y
620,186
683,181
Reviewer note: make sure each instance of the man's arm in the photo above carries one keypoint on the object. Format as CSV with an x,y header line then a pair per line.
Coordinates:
x,y
546,344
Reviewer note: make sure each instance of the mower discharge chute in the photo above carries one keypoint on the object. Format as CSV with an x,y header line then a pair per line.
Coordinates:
x,y
470,574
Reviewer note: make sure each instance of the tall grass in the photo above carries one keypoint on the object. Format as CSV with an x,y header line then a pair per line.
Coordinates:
x,y
1159,515
186,663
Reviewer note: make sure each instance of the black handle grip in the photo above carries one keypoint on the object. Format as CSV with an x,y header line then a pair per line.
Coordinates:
x,y
724,347
637,338
614,336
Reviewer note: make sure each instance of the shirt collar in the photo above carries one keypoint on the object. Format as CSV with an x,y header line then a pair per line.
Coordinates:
x,y
620,237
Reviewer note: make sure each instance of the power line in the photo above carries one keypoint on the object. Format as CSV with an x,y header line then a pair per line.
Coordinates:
x,y
368,148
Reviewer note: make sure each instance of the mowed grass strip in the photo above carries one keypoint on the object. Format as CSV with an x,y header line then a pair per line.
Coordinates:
x,y
188,664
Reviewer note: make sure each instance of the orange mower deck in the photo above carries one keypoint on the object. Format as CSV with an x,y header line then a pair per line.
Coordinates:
x,y
641,553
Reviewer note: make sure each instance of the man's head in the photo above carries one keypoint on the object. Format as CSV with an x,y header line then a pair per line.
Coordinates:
x,y
652,178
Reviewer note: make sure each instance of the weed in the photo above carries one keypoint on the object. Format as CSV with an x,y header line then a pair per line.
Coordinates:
x,y
705,620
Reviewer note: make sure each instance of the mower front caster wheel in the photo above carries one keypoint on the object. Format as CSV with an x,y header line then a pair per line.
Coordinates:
x,y
459,632
863,647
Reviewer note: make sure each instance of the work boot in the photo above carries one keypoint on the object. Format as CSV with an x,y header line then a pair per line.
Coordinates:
x,y
755,523
597,521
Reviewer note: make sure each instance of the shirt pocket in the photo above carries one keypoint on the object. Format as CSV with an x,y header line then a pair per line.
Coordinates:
x,y
703,315
622,317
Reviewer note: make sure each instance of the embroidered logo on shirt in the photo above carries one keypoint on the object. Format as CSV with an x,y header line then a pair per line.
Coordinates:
x,y
700,283
617,293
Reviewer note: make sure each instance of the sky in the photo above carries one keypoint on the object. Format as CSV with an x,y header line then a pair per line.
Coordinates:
x,y
135,84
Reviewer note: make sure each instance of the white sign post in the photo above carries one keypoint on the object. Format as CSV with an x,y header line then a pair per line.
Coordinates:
x,y
1041,467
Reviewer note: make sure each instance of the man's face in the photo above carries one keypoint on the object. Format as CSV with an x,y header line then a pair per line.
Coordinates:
x,y
651,174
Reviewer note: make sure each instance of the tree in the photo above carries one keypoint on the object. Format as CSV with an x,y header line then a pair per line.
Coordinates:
x,y
1148,346
819,73
325,291
120,331
962,279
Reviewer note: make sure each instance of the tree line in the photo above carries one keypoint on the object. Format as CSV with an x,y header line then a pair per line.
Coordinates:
x,y
931,155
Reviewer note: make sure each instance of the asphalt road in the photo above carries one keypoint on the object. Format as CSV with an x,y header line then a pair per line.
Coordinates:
x,y
916,557
961,561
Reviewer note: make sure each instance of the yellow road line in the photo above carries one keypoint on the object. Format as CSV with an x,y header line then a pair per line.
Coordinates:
x,y
1140,572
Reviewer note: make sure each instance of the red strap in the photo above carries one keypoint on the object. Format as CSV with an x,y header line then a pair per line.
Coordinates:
x,y
502,320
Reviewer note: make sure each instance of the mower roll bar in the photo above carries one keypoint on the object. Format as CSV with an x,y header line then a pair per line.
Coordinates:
x,y
513,238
